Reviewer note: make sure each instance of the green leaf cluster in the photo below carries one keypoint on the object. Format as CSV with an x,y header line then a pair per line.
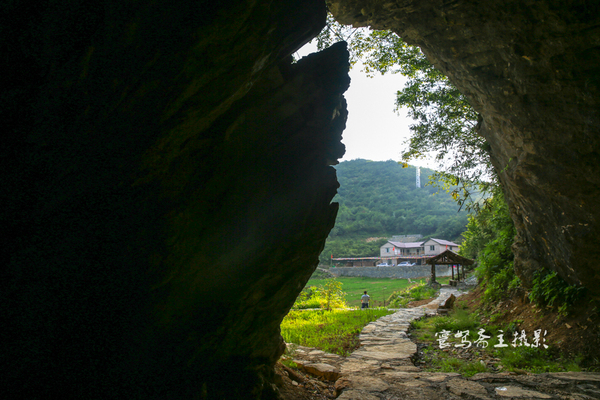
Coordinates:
x,y
489,238
459,320
549,289
416,292
334,297
309,297
327,296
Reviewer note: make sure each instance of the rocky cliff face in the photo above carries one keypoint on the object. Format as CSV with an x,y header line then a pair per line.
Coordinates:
x,y
531,69
167,182
167,189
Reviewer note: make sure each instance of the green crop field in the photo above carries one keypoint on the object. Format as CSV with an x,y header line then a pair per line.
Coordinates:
x,y
379,289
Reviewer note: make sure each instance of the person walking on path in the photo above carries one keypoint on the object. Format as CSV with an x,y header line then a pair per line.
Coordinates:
x,y
365,300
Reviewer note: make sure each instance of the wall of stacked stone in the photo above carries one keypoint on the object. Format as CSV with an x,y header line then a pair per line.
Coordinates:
x,y
416,271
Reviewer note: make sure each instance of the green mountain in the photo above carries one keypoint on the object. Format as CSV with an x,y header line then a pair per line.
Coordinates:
x,y
379,199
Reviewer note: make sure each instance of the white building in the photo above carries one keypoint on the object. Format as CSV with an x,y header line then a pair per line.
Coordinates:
x,y
395,252
391,249
433,247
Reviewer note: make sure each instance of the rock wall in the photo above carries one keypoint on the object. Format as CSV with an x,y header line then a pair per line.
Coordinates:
x,y
532,70
416,271
167,189
167,182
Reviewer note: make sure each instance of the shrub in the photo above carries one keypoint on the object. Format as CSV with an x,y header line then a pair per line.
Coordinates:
x,y
489,237
416,292
551,290
422,292
498,284
333,295
459,320
327,296
310,297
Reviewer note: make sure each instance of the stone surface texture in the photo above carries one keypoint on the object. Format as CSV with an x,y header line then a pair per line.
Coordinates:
x,y
329,372
532,71
167,188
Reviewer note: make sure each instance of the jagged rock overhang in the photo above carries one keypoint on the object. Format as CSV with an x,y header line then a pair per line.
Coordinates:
x,y
531,69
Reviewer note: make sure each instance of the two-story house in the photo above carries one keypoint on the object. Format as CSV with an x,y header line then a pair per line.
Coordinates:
x,y
391,249
396,252
433,247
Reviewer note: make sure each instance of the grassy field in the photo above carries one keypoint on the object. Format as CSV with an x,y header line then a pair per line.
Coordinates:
x,y
332,331
379,289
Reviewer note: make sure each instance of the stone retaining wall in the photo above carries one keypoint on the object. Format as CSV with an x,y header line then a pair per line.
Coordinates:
x,y
416,271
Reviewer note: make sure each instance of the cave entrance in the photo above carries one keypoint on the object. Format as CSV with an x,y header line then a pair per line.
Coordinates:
x,y
377,130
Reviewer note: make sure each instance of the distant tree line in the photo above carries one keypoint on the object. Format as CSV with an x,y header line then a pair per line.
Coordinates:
x,y
380,199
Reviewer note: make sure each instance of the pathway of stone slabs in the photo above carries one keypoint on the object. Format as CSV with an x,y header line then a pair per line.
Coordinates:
x,y
382,369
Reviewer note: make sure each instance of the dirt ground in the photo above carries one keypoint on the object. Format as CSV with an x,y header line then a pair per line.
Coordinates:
x,y
575,335
413,304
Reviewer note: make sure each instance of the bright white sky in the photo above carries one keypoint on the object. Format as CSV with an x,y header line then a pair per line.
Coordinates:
x,y
374,131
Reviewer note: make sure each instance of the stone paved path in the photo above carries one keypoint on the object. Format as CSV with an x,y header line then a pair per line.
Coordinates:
x,y
381,369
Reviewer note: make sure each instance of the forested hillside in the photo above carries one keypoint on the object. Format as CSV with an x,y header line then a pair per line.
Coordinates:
x,y
380,199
